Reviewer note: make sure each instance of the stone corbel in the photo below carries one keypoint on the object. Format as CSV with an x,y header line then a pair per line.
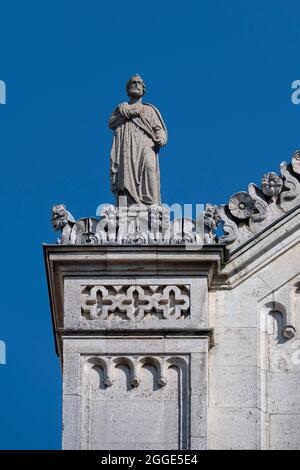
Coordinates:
x,y
288,330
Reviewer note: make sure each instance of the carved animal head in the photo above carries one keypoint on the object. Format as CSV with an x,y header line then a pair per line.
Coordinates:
x,y
59,217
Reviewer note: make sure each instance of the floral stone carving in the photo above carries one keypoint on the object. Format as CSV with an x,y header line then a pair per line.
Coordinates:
x,y
272,185
241,205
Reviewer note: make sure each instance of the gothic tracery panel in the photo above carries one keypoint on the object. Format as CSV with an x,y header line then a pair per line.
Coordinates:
x,y
135,302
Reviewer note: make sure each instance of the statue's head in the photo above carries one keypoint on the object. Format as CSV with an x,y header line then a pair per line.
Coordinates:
x,y
135,86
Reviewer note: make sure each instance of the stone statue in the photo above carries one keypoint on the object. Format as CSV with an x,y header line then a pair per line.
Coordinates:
x,y
139,132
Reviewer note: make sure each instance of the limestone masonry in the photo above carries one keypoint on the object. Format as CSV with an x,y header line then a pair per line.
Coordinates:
x,y
178,333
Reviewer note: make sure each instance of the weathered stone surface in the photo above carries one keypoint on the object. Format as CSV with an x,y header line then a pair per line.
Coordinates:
x,y
232,387
234,347
284,432
284,390
233,429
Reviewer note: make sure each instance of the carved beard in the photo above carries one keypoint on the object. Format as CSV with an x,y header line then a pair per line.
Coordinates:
x,y
135,91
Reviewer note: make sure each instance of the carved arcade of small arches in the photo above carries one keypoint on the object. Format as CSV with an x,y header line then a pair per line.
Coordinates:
x,y
135,364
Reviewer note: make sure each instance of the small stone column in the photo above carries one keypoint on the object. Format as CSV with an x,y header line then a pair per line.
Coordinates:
x,y
131,330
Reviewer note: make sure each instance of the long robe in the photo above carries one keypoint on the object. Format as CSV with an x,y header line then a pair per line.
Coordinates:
x,y
134,155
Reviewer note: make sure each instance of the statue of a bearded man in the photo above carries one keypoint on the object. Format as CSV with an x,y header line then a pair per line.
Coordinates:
x,y
139,132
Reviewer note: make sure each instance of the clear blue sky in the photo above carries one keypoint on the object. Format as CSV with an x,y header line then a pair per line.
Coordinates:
x,y
221,74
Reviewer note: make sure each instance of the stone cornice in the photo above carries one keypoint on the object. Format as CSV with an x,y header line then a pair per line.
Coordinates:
x,y
130,262
259,251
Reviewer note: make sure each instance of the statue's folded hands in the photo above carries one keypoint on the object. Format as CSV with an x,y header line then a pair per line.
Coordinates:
x,y
129,111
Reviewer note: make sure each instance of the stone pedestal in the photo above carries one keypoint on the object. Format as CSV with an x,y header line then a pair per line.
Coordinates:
x,y
132,332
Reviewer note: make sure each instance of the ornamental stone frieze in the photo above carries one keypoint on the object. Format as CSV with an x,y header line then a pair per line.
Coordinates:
x,y
247,214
